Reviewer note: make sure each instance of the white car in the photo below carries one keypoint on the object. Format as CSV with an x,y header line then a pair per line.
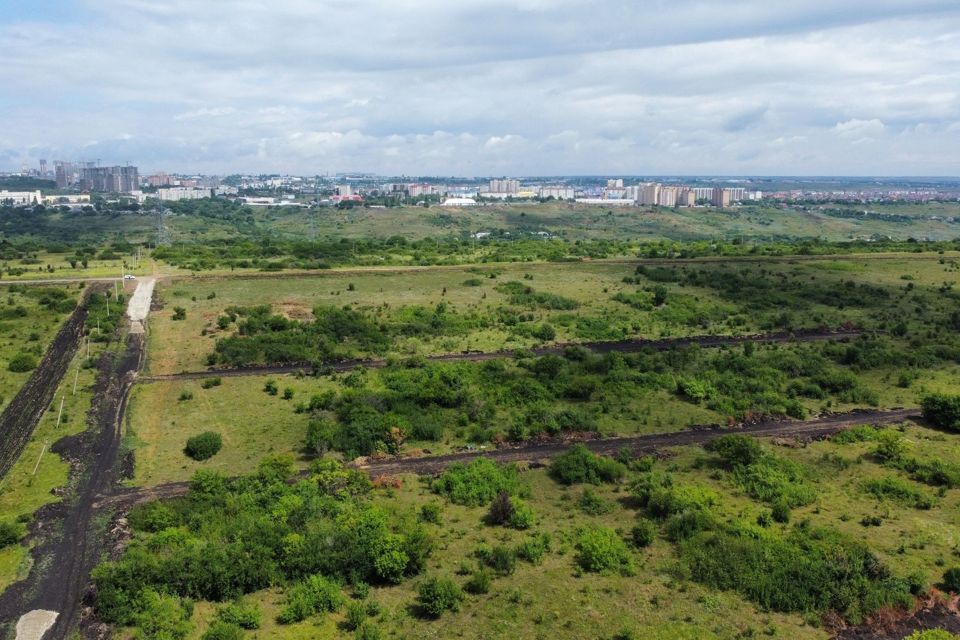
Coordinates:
x,y
129,276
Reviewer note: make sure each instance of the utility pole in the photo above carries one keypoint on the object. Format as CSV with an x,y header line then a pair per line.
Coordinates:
x,y
60,414
76,377
37,466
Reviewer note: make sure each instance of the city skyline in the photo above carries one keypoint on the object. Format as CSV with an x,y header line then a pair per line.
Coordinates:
x,y
485,88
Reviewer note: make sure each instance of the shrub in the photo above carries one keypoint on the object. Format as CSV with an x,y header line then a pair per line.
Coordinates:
x,y
210,383
687,524
245,615
643,533
162,616
479,582
735,449
780,512
356,614
942,411
22,362
314,595
501,559
270,387
431,512
152,517
179,313
522,517
203,446
10,534
601,550
577,464
951,580
368,631
222,631
185,395
534,548
593,505
899,491
288,393
931,634
477,483
501,509
436,595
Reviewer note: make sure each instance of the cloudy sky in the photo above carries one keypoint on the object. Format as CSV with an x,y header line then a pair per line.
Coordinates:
x,y
485,87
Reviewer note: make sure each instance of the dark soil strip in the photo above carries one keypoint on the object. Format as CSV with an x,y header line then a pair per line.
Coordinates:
x,y
69,542
621,346
20,418
807,429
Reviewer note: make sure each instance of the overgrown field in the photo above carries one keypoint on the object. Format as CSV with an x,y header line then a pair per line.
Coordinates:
x,y
586,548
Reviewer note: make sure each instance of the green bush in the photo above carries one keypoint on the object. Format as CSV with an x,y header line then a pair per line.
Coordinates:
x,y
501,559
162,616
578,465
10,534
368,631
436,595
479,582
931,634
811,570
356,615
179,313
890,488
245,615
22,362
534,548
431,512
593,505
951,580
735,449
220,630
477,483
602,550
203,446
643,533
942,410
210,383
314,595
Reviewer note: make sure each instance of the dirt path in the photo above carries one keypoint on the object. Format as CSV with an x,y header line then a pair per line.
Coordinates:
x,y
619,346
20,418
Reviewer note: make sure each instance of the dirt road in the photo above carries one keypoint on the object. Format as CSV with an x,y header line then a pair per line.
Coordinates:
x,y
620,346
20,418
69,543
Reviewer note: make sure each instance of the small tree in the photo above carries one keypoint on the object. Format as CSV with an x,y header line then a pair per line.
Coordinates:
x,y
179,313
203,446
22,362
659,295
501,509
951,580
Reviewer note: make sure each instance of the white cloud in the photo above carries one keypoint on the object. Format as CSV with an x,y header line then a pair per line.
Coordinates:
x,y
478,87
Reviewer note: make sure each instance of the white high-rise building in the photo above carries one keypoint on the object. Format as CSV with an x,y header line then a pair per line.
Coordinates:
x,y
506,185
649,193
668,196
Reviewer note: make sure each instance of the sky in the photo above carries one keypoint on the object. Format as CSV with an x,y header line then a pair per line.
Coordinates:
x,y
485,87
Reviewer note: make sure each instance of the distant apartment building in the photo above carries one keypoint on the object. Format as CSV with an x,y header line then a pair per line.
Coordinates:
x,y
558,193
20,198
667,196
703,193
110,179
344,191
721,197
649,194
159,180
173,194
225,190
737,194
615,184
687,198
505,185
417,190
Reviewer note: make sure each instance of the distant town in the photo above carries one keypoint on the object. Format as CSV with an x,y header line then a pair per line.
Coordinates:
x,y
77,184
